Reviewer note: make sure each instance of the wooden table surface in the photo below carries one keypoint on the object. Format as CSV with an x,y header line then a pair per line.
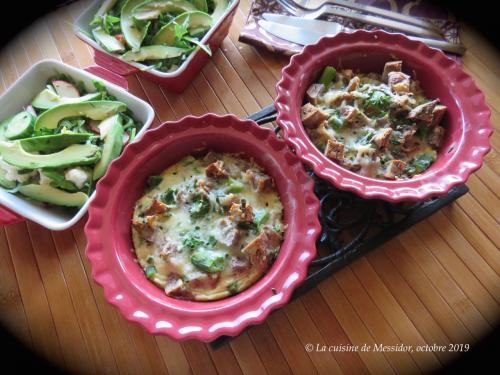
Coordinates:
x,y
438,283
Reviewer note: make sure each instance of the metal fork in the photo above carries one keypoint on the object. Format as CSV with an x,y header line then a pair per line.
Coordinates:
x,y
300,11
374,10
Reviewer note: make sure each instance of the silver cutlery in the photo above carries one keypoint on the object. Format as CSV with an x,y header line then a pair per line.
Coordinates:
x,y
376,11
327,8
304,32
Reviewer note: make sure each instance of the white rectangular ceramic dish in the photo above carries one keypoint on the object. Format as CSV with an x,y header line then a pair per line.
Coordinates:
x,y
20,94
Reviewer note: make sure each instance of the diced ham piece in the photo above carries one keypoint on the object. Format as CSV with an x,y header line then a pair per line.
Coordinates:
x,y
394,168
381,138
423,112
354,116
230,235
320,135
241,213
216,170
437,114
175,287
334,150
312,116
436,136
239,265
401,103
314,92
353,84
202,280
391,66
156,208
399,82
409,139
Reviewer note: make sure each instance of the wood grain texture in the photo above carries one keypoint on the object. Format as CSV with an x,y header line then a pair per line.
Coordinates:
x,y
438,283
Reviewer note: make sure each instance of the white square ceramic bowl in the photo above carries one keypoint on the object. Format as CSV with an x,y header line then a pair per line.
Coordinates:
x,y
19,95
175,81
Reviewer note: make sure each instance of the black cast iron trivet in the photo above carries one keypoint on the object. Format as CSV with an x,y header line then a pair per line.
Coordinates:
x,y
352,226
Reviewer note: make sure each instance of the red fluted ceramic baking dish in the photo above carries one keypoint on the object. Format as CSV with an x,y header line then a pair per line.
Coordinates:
x,y
467,123
110,250
175,81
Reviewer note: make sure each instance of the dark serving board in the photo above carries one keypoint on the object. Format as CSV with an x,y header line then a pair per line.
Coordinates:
x,y
352,226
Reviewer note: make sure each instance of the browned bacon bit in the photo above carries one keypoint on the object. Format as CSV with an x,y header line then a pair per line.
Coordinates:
x,y
258,250
314,92
145,228
401,103
391,66
156,208
436,136
394,168
347,73
216,170
241,213
260,181
312,116
228,200
334,150
399,82
354,116
381,138
353,84
423,112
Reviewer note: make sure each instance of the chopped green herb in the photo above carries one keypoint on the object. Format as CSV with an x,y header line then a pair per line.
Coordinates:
x,y
377,104
232,287
200,207
150,272
169,197
261,217
192,241
233,186
212,241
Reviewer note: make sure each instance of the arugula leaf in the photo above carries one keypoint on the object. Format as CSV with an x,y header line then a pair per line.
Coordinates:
x,y
204,47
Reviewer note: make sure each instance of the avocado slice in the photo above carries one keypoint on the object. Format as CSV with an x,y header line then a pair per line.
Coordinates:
x,y
219,10
59,180
49,194
108,42
53,143
153,53
151,10
8,184
65,89
196,20
49,99
95,110
201,5
15,155
113,145
133,34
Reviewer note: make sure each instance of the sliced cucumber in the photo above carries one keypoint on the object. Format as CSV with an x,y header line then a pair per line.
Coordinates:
x,y
3,128
196,21
20,126
108,42
153,53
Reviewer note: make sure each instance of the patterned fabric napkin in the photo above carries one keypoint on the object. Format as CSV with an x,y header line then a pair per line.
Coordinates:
x,y
254,35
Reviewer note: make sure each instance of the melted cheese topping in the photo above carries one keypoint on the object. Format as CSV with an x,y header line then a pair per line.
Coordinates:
x,y
210,229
